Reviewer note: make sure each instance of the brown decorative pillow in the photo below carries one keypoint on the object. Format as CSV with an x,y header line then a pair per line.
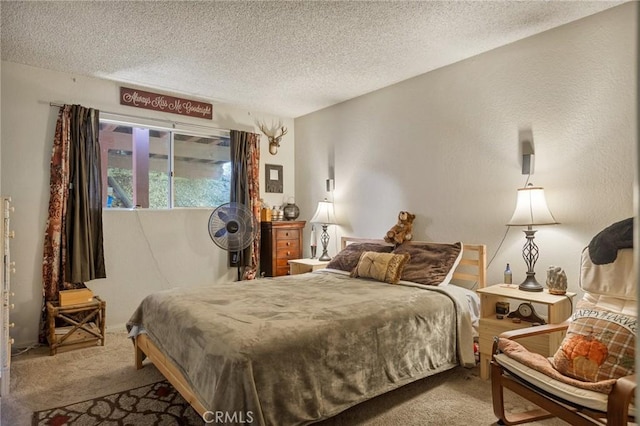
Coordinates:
x,y
347,259
431,263
385,267
599,345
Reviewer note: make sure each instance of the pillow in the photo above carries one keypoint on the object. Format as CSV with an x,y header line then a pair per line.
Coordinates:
x,y
347,258
599,345
431,263
385,267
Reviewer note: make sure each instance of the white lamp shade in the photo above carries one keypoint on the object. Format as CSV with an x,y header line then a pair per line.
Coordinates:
x,y
324,213
531,208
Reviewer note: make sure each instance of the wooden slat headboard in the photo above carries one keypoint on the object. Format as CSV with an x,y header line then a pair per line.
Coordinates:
x,y
471,272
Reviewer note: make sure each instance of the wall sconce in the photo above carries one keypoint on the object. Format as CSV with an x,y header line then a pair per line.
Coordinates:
x,y
531,210
528,156
324,216
331,185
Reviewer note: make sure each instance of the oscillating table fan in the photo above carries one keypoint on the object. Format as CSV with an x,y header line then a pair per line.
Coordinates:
x,y
231,227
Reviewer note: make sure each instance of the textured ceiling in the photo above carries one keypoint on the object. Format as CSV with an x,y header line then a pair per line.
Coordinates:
x,y
284,58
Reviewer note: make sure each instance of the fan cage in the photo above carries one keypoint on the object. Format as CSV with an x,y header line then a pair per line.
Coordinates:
x,y
231,226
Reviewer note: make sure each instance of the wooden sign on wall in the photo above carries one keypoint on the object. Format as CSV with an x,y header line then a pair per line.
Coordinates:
x,y
158,102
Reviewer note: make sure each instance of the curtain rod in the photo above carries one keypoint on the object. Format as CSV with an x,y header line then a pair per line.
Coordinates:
x,y
161,120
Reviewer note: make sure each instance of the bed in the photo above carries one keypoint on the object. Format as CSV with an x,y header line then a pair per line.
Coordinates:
x,y
297,349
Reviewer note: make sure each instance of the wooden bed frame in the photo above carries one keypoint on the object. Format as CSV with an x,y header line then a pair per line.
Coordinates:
x,y
471,271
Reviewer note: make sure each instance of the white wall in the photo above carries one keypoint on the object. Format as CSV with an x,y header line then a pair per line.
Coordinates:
x,y
144,250
445,145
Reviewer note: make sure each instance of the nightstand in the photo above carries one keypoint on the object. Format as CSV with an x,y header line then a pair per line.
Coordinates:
x,y
553,308
80,325
300,266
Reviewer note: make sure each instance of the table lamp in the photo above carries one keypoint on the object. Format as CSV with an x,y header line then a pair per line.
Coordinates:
x,y
531,210
324,216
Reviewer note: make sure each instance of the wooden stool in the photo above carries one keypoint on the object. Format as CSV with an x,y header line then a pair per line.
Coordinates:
x,y
86,325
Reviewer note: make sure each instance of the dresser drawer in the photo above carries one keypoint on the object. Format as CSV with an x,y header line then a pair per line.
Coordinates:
x,y
282,270
284,257
287,245
287,234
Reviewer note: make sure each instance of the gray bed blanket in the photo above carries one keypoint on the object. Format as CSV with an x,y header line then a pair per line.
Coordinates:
x,y
295,350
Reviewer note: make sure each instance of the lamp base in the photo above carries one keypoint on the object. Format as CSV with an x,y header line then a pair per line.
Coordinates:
x,y
530,283
325,256
324,239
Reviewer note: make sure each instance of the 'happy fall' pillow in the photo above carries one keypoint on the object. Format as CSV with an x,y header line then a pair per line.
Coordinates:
x,y
599,344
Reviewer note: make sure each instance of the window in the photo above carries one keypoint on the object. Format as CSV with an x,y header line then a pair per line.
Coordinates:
x,y
160,168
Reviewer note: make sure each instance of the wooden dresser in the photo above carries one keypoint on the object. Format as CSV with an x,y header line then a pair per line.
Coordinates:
x,y
280,242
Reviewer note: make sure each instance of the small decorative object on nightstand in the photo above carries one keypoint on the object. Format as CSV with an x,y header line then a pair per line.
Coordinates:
x,y
556,280
558,309
508,275
301,266
526,312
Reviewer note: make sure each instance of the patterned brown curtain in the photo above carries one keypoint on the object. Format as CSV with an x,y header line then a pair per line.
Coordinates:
x,y
73,250
245,189
253,183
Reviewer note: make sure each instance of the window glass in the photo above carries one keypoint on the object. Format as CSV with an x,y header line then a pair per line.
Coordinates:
x,y
138,160
159,170
202,171
116,142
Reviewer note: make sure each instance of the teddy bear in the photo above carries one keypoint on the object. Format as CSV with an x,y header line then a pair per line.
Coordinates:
x,y
401,231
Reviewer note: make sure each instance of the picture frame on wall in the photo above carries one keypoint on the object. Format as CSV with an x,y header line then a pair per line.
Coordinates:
x,y
273,180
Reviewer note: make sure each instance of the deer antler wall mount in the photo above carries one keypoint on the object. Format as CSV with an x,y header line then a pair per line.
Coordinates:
x,y
274,134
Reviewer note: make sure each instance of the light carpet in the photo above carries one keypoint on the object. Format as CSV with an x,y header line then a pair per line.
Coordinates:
x,y
40,381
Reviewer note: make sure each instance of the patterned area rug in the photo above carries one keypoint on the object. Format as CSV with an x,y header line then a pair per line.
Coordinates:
x,y
155,404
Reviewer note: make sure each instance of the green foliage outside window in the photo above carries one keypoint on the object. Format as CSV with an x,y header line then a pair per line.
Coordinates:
x,y
189,192
201,192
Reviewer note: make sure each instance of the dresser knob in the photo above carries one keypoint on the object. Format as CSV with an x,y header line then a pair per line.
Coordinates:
x,y
288,253
12,324
11,341
288,243
12,234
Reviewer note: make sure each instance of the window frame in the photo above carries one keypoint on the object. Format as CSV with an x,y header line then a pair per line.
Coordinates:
x,y
175,128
